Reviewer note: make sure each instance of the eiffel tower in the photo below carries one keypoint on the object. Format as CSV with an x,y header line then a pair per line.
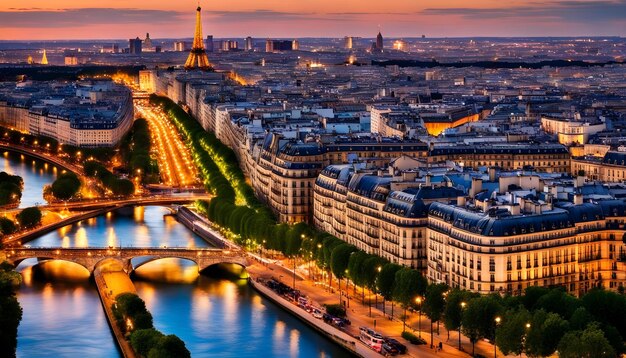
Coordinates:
x,y
197,56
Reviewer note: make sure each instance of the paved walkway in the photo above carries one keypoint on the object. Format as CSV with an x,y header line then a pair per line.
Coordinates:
x,y
359,313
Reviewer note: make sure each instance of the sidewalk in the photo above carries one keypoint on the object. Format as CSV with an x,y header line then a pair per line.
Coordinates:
x,y
359,313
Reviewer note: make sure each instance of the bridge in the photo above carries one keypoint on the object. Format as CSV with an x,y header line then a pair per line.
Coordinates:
x,y
91,257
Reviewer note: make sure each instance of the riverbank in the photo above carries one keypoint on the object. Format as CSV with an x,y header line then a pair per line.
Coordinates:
x,y
359,314
202,227
112,281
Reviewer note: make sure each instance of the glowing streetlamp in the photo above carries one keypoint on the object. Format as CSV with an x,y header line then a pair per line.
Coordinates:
x,y
495,348
463,304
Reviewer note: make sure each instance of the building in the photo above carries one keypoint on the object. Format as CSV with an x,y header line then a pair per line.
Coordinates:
x,y
147,42
134,46
209,46
508,241
228,45
295,45
381,213
181,46
549,158
82,114
348,42
570,131
279,45
249,45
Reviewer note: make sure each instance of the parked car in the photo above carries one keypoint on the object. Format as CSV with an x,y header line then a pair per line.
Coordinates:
x,y
388,349
399,346
317,313
337,322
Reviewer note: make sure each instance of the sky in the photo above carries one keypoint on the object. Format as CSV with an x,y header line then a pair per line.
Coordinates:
x,y
123,19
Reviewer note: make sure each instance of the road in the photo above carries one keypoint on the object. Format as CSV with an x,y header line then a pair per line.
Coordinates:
x,y
175,164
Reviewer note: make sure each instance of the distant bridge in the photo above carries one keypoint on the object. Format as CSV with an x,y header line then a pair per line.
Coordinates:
x,y
91,257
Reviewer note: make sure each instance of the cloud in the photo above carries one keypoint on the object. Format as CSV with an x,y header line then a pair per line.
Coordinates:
x,y
60,18
262,15
580,11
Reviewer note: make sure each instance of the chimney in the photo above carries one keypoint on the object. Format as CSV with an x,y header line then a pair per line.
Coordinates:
x,y
428,176
514,209
578,199
492,174
461,201
477,186
580,181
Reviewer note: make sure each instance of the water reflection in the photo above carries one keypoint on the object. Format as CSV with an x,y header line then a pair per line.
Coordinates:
x,y
62,313
138,227
224,317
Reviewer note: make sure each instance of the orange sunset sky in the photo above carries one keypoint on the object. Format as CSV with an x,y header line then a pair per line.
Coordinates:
x,y
122,19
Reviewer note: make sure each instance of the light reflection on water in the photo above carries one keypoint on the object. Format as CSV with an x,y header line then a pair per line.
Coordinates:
x,y
62,315
222,317
213,315
138,227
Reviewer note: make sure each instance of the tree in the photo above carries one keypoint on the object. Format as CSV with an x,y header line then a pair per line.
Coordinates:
x,y
511,333
546,330
29,217
479,318
169,346
142,340
434,304
409,284
607,307
339,259
387,281
10,310
65,186
558,301
453,311
7,226
590,343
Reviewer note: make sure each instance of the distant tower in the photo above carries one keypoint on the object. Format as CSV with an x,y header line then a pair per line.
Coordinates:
x,y
348,43
147,43
269,45
295,45
30,60
248,45
197,56
379,41
44,58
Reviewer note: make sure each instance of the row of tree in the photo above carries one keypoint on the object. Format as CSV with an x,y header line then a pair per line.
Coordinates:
x,y
134,319
10,309
11,187
25,219
536,314
135,151
117,186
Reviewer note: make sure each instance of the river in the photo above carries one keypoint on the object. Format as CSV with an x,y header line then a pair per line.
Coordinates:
x,y
36,175
215,314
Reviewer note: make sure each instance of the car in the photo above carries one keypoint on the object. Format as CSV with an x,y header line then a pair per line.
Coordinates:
x,y
399,346
317,313
388,349
337,322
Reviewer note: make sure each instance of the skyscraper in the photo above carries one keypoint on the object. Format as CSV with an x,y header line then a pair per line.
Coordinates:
x,y
348,42
209,43
248,44
295,45
379,41
134,46
197,56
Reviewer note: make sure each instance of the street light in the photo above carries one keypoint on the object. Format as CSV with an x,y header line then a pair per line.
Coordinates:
x,y
495,348
418,300
463,304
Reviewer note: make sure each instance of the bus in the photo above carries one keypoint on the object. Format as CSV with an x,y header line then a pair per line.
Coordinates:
x,y
373,339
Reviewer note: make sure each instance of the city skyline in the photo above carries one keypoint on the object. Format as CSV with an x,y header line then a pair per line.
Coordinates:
x,y
72,19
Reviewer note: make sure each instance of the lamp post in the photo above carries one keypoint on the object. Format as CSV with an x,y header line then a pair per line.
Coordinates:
x,y
463,304
495,348
319,247
418,300
379,268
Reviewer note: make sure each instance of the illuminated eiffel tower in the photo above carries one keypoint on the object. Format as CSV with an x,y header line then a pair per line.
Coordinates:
x,y
197,56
